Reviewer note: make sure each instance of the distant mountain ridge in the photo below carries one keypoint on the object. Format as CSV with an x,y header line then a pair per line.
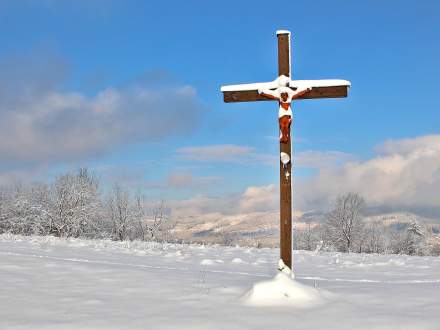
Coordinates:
x,y
263,227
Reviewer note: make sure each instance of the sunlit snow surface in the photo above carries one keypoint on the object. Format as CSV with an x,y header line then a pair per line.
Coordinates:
x,y
48,283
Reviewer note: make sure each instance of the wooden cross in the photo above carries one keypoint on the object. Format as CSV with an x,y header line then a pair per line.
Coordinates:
x,y
328,88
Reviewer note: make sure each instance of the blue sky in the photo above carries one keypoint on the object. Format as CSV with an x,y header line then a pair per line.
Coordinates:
x,y
182,52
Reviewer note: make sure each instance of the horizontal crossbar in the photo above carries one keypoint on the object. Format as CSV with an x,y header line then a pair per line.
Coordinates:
x,y
315,93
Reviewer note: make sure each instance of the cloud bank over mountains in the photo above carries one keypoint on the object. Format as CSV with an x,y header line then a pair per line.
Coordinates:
x,y
404,175
253,199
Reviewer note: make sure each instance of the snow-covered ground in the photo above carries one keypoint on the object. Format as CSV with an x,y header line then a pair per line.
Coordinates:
x,y
50,283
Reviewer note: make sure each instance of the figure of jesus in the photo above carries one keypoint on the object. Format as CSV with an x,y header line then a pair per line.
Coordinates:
x,y
285,96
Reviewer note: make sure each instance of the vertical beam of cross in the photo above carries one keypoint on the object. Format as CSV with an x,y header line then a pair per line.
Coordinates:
x,y
323,88
285,181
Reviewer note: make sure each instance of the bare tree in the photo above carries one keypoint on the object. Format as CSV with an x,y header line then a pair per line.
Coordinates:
x,y
344,223
120,213
307,237
158,226
151,225
140,215
373,238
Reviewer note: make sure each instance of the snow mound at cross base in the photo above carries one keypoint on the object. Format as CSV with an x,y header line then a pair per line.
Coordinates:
x,y
283,290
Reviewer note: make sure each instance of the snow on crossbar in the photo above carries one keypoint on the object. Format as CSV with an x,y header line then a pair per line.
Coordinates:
x,y
323,88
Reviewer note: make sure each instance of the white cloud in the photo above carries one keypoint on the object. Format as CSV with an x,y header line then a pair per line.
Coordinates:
x,y
263,198
406,146
406,175
39,123
200,205
253,199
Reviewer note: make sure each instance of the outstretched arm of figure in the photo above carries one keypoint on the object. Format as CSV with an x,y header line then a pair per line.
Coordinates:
x,y
301,93
267,93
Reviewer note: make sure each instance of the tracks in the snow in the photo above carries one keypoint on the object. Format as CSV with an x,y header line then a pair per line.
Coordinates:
x,y
188,269
112,263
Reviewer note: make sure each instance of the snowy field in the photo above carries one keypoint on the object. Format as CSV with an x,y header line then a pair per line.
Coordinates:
x,y
50,283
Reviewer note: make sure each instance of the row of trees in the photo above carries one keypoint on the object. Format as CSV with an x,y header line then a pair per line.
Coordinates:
x,y
74,206
346,230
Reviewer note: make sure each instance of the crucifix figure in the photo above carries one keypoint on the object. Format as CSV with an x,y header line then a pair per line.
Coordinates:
x,y
284,90
284,96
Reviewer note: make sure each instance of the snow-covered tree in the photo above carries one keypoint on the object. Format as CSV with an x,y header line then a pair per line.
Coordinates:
x,y
3,210
120,213
75,205
307,237
372,238
344,223
152,224
415,239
